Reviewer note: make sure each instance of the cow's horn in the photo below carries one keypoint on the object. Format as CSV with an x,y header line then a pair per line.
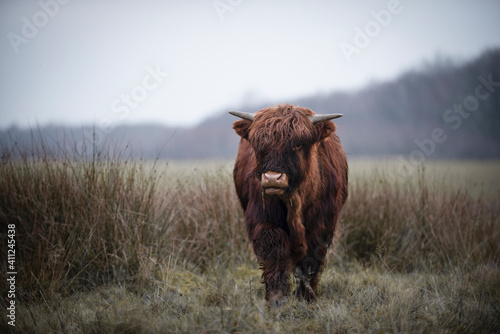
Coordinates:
x,y
318,117
244,115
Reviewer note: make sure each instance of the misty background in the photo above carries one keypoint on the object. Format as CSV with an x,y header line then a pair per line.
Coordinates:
x,y
418,79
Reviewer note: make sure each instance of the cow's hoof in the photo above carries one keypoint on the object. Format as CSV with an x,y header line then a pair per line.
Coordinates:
x,y
277,300
305,292
309,294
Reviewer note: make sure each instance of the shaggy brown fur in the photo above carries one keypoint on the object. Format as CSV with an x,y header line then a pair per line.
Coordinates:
x,y
291,231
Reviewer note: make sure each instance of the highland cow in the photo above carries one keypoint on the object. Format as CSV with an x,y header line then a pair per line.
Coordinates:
x,y
291,176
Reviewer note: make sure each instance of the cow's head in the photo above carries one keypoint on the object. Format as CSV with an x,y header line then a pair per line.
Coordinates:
x,y
285,140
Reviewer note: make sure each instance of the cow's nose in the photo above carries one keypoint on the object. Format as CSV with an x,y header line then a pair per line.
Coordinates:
x,y
272,177
274,183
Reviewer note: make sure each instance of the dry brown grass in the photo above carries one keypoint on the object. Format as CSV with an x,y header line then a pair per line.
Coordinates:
x,y
83,221
109,244
409,226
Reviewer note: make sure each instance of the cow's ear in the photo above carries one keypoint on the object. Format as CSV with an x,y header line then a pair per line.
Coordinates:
x,y
242,127
326,128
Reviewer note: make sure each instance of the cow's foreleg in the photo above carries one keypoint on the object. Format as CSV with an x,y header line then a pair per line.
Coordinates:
x,y
308,271
272,247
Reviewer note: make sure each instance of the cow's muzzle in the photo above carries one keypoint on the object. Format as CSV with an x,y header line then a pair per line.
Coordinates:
x,y
274,183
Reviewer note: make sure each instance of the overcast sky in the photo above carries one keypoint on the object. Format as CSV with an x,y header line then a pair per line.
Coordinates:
x,y
178,62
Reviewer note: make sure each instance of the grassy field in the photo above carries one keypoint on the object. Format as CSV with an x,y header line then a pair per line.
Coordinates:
x,y
115,246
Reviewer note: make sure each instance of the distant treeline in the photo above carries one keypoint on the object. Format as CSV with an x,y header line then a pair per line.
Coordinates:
x,y
442,109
